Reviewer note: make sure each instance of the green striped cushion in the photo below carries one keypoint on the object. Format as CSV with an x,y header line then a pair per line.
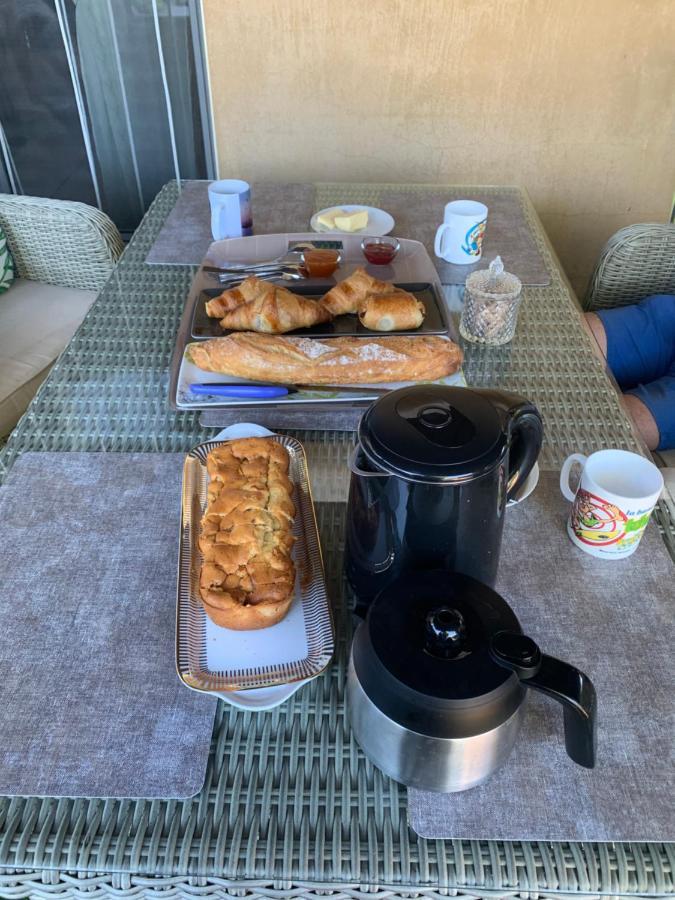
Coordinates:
x,y
6,264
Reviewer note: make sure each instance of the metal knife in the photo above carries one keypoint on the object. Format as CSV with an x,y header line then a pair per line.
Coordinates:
x,y
270,391
233,268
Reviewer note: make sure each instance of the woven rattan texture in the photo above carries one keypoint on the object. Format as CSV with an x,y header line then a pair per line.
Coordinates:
x,y
59,241
635,262
290,806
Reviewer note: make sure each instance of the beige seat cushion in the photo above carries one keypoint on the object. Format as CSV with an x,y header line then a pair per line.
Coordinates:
x,y
36,322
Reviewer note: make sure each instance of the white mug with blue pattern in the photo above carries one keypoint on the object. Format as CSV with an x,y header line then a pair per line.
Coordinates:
x,y
460,238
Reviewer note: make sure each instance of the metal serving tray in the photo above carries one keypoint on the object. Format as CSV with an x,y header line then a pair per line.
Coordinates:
x,y
214,659
435,321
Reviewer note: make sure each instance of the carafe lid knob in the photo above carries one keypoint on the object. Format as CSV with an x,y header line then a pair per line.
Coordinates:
x,y
446,631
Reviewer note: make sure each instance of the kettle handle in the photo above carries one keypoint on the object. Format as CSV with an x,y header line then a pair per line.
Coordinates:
x,y
558,680
525,429
357,470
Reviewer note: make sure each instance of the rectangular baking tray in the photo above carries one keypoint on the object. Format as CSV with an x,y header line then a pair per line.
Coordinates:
x,y
411,265
435,321
210,658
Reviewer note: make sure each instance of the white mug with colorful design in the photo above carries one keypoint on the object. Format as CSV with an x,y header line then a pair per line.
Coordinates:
x,y
611,507
459,239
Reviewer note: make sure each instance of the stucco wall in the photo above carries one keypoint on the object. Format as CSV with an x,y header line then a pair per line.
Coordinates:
x,y
571,98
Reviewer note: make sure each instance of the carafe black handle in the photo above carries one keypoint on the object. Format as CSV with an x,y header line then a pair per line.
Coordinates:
x,y
524,427
558,680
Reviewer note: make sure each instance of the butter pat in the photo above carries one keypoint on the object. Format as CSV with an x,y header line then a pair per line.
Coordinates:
x,y
352,221
327,220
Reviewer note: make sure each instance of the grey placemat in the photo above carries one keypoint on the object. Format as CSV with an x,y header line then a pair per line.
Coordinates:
x,y
186,234
614,620
90,703
507,232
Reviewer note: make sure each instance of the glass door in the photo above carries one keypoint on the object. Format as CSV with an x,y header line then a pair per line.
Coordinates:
x,y
103,101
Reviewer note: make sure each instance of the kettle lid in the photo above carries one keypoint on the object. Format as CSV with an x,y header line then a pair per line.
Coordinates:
x,y
423,655
434,433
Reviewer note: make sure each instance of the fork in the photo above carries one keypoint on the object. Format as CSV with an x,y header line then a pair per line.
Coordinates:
x,y
266,275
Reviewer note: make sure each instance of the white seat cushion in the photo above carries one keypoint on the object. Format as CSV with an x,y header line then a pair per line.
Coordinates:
x,y
36,322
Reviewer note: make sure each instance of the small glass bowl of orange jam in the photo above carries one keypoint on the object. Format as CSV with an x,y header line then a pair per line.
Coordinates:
x,y
321,263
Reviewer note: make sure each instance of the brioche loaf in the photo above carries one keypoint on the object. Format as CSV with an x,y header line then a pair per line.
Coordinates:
x,y
334,361
247,576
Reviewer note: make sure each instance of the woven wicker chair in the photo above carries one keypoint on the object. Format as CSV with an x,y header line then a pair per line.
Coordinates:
x,y
635,262
59,241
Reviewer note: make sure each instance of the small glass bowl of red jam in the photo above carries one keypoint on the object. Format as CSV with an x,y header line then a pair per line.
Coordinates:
x,y
380,251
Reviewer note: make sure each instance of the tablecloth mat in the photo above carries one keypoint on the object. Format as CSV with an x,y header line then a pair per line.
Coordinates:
x,y
614,621
507,234
90,703
186,233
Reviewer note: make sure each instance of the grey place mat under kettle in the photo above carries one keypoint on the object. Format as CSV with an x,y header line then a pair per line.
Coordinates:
x,y
613,620
90,703
507,233
186,235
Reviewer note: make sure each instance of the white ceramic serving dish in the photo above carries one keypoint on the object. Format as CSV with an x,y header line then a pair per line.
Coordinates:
x,y
379,221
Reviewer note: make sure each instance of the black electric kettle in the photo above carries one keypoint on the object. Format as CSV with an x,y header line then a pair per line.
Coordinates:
x,y
431,475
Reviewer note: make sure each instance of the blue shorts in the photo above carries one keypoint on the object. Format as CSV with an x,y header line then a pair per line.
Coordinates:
x,y
641,355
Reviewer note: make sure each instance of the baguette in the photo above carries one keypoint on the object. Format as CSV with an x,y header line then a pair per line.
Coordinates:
x,y
247,577
334,361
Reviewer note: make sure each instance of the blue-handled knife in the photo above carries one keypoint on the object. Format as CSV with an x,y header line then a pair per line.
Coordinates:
x,y
255,391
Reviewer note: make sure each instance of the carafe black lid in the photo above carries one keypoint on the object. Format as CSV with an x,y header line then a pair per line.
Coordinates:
x,y
433,433
423,655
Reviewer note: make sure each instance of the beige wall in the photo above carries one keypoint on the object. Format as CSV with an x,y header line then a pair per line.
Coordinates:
x,y
571,98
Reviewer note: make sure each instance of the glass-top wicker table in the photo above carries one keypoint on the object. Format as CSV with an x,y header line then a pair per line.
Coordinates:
x,y
290,806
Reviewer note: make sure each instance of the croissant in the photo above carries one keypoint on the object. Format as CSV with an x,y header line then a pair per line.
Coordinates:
x,y
248,290
392,312
275,312
347,296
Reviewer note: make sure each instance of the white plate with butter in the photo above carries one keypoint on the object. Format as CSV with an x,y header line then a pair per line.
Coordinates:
x,y
349,219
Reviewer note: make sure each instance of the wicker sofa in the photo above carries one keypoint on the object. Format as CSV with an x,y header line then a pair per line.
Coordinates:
x,y
63,253
637,261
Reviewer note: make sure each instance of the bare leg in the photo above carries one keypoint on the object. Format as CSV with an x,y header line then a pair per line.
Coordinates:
x,y
593,324
644,421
